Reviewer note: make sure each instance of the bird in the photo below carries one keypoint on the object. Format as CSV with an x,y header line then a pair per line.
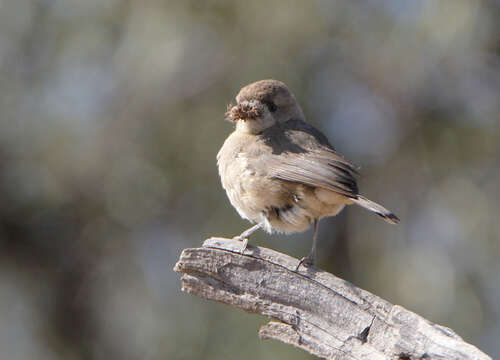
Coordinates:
x,y
281,173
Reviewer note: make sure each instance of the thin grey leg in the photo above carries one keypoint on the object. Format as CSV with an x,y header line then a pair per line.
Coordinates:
x,y
312,255
309,260
245,235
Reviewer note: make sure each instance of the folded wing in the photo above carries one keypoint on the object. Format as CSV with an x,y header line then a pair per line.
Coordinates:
x,y
300,153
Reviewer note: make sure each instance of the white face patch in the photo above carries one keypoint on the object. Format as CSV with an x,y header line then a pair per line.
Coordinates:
x,y
256,125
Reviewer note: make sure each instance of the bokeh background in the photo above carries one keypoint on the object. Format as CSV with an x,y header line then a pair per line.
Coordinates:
x,y
111,115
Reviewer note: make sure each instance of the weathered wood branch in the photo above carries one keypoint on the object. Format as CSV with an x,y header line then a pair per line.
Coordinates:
x,y
315,310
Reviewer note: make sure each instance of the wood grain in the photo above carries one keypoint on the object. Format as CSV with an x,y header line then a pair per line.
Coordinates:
x,y
312,309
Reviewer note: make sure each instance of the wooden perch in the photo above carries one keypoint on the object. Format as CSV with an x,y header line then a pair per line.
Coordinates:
x,y
315,310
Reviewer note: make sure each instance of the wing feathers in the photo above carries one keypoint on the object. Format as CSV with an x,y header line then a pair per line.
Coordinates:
x,y
315,171
297,152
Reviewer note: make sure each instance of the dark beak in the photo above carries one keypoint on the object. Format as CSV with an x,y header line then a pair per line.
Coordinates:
x,y
243,111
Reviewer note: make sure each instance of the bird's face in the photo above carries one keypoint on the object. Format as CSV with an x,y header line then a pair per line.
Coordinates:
x,y
250,116
261,105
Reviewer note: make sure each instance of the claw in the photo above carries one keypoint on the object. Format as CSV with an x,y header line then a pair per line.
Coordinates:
x,y
244,243
306,261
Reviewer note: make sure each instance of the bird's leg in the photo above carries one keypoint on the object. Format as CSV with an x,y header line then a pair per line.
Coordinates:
x,y
245,235
309,260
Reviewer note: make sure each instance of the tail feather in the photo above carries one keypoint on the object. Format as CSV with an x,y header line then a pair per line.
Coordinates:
x,y
377,209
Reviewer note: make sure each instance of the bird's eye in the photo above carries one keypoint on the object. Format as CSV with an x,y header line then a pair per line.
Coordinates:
x,y
271,106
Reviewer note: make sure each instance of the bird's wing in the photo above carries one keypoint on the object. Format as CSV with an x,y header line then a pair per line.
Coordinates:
x,y
300,153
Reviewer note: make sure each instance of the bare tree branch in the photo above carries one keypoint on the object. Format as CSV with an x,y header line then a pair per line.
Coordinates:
x,y
316,311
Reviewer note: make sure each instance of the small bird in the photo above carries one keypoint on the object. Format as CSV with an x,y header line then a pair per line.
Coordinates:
x,y
281,173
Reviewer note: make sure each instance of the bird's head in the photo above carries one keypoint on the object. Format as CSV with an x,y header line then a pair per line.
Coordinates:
x,y
261,105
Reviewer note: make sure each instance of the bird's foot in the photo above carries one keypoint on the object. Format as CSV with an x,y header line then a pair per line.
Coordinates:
x,y
306,261
244,243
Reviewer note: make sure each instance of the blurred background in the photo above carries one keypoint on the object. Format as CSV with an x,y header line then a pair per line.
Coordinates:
x,y
111,115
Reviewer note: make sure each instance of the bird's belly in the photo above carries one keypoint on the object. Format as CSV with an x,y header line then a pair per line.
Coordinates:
x,y
267,201
241,202
275,204
289,220
246,192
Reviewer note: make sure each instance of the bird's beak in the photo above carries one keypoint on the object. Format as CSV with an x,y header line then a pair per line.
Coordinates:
x,y
243,111
231,112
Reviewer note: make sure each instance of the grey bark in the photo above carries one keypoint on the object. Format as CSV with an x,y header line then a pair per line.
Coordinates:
x,y
314,310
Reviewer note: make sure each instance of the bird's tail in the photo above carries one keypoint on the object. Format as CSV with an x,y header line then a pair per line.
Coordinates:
x,y
377,209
